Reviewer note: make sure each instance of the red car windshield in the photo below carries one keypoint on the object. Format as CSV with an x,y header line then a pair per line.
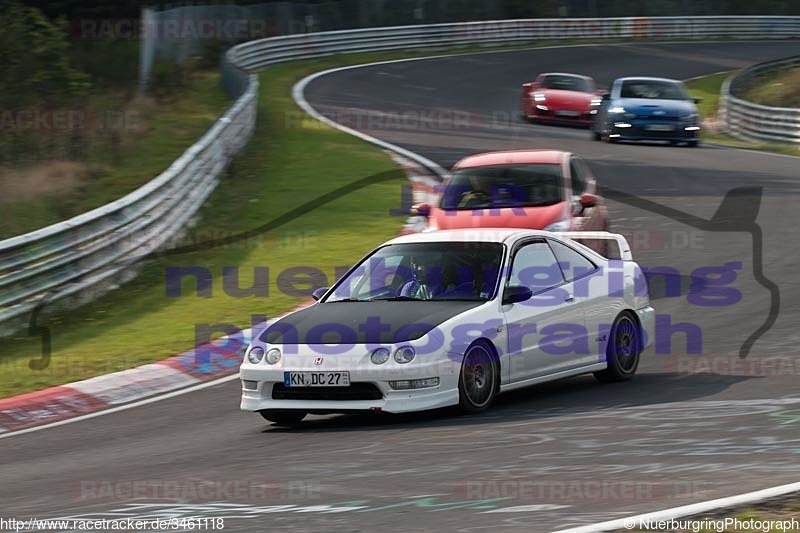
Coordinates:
x,y
567,83
496,186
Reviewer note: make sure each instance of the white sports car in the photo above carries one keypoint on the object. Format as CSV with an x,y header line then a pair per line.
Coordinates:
x,y
453,318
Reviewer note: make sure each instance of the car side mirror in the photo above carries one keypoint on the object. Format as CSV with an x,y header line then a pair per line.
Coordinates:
x,y
606,97
516,293
588,200
422,210
697,99
319,293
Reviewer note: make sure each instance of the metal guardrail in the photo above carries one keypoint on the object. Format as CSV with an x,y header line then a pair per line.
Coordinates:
x,y
754,122
86,254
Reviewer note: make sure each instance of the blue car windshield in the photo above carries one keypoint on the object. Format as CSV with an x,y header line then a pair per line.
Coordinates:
x,y
497,186
653,89
567,83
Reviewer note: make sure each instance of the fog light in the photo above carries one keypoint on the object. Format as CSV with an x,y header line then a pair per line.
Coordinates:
x,y
379,356
249,384
273,356
255,354
414,384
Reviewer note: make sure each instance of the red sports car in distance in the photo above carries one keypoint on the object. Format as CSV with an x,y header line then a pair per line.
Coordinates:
x,y
534,189
561,97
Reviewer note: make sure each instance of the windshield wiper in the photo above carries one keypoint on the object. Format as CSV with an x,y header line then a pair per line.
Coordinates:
x,y
399,299
348,300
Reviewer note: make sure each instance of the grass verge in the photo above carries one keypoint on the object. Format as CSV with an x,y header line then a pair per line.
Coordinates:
x,y
286,164
708,88
782,91
151,136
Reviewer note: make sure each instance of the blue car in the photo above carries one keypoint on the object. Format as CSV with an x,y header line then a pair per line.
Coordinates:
x,y
652,109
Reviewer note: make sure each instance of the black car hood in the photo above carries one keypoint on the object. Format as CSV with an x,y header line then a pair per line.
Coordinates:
x,y
381,322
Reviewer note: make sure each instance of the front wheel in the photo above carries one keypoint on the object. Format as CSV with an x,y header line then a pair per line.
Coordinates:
x,y
623,350
478,383
693,144
283,418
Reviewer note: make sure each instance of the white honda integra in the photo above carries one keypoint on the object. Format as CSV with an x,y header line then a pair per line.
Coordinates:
x,y
453,318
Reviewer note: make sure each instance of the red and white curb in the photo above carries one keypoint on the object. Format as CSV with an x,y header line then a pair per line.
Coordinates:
x,y
163,379
204,365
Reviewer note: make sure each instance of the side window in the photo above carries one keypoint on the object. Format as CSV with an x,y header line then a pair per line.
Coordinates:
x,y
573,263
576,169
536,267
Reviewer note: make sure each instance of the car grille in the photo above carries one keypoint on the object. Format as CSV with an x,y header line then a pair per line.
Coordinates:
x,y
659,118
353,392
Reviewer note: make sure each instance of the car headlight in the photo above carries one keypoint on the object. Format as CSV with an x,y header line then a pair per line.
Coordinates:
x,y
596,101
617,110
379,356
255,354
539,97
273,356
561,225
404,355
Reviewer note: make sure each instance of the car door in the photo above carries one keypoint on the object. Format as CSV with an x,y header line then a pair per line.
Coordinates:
x,y
590,289
541,331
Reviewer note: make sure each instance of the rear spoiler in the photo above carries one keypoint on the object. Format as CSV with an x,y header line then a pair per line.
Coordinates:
x,y
618,249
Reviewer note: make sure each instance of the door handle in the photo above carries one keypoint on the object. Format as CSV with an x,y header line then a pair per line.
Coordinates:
x,y
569,298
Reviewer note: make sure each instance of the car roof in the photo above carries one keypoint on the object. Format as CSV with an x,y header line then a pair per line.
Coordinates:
x,y
572,74
648,78
497,235
510,157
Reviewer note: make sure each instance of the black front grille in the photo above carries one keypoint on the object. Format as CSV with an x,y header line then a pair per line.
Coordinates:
x,y
353,392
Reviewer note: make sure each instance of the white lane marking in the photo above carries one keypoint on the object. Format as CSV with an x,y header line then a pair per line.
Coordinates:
x,y
119,408
686,510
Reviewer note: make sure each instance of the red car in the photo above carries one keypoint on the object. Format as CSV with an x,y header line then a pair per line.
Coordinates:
x,y
535,189
560,97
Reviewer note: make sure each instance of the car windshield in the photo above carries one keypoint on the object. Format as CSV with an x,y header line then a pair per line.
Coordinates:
x,y
424,271
653,89
567,83
498,186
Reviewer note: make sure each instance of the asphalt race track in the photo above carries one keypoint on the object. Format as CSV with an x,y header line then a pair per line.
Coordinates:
x,y
532,463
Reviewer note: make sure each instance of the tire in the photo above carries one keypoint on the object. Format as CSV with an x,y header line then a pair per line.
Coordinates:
x,y
596,135
283,418
693,144
623,350
478,381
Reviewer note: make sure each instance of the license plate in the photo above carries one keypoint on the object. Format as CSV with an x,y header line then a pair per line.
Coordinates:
x,y
567,113
660,127
316,379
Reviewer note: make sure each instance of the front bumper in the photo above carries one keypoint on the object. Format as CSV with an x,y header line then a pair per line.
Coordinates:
x,y
562,116
369,390
647,319
638,130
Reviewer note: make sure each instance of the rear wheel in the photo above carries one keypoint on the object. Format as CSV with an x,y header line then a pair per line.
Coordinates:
x,y
283,418
478,382
623,350
692,144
